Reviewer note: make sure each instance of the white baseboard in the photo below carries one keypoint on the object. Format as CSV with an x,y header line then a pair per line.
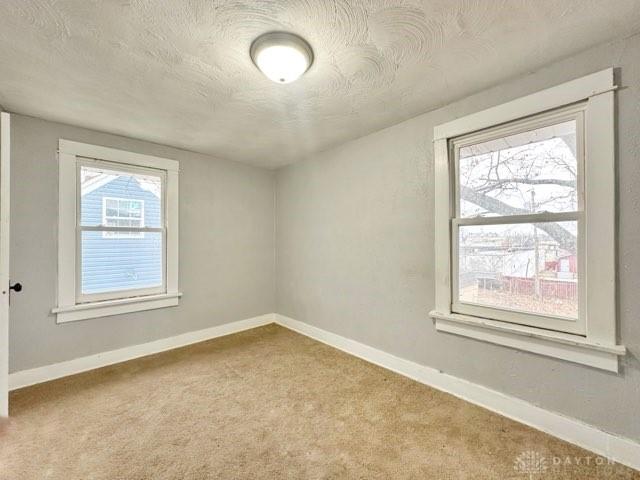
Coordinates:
x,y
620,449
32,376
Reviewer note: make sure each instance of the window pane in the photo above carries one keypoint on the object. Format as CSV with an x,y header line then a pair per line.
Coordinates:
x,y
524,267
136,209
111,261
529,172
107,192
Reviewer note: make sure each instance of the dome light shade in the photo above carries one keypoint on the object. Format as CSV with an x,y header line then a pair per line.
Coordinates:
x,y
281,56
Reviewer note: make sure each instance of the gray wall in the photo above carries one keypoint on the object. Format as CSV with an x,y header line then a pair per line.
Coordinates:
x,y
226,248
355,256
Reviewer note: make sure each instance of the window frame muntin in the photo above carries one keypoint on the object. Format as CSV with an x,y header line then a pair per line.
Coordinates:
x,y
574,112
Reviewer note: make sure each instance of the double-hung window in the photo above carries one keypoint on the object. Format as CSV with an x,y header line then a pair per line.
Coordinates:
x,y
525,224
517,216
117,232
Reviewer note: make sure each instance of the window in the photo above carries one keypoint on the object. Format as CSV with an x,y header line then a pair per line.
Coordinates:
x,y
518,192
123,212
117,232
525,239
119,256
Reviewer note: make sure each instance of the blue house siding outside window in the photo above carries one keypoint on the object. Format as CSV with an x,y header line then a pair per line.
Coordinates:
x,y
113,261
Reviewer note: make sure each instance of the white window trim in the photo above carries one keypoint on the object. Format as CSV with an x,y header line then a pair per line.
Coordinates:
x,y
68,309
122,234
598,347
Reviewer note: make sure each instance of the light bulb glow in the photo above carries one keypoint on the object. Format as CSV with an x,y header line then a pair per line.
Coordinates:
x,y
282,57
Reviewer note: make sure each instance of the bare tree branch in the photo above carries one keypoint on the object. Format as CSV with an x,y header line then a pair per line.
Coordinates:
x,y
565,238
541,181
494,184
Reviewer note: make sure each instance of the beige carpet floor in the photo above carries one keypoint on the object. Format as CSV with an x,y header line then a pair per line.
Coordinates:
x,y
269,404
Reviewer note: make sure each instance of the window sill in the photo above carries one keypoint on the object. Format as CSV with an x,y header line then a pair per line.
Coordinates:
x,y
115,307
574,348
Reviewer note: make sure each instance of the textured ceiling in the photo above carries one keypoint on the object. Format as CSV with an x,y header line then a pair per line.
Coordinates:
x,y
178,72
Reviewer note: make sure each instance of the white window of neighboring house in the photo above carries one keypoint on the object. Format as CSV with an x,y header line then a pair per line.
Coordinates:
x,y
118,232
525,216
122,212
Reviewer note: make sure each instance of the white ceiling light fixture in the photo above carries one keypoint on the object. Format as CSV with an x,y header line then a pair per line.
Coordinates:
x,y
283,57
